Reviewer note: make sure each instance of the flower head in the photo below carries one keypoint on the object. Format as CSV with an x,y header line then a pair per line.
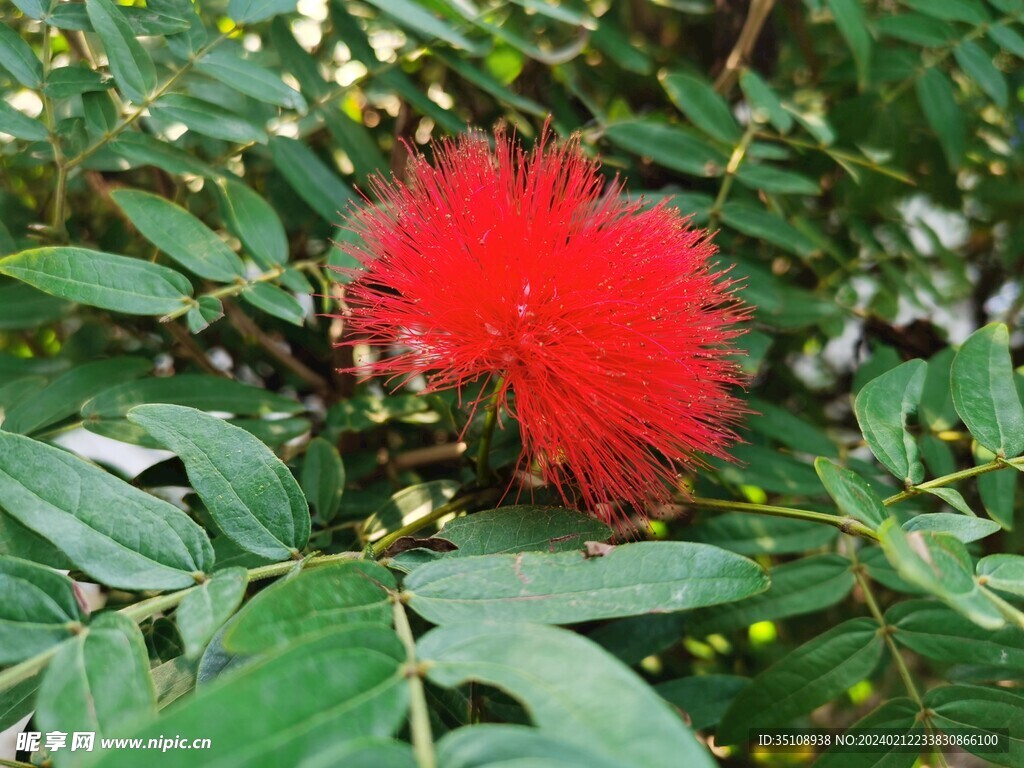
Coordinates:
x,y
605,319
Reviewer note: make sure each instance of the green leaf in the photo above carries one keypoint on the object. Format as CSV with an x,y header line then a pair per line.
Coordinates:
x,y
38,609
65,82
130,64
984,392
966,529
32,8
812,675
119,535
230,68
522,529
16,57
311,178
208,119
939,564
969,11
850,19
669,146
201,317
414,17
275,301
205,609
323,478
23,307
572,689
769,178
944,115
18,701
765,225
798,587
977,711
900,714
495,745
1002,572
103,280
882,409
180,235
977,65
764,102
19,541
1007,38
251,11
255,223
330,596
250,493
697,99
202,391
98,682
747,534
917,29
852,494
141,149
703,698
938,633
65,395
20,125
566,587
335,688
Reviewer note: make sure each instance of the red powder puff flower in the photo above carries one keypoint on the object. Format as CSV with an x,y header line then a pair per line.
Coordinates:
x,y
606,321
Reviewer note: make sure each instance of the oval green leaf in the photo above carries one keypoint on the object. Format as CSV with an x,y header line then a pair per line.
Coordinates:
x,y
99,279
130,64
250,493
99,682
180,235
984,393
119,535
882,408
566,587
812,675
201,391
205,609
354,592
573,690
38,609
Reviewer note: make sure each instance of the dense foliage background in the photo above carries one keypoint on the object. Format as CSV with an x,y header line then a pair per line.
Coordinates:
x,y
172,180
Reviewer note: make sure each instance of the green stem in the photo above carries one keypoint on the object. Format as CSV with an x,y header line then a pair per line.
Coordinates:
x,y
845,524
872,604
60,187
458,505
19,673
419,715
483,456
953,477
735,160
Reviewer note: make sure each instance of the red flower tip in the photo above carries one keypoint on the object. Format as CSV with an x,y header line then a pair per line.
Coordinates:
x,y
605,320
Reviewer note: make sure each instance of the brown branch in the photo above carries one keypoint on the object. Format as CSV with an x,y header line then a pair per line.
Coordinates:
x,y
248,328
740,54
193,350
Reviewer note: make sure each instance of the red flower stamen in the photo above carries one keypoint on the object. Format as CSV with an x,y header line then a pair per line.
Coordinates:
x,y
605,320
